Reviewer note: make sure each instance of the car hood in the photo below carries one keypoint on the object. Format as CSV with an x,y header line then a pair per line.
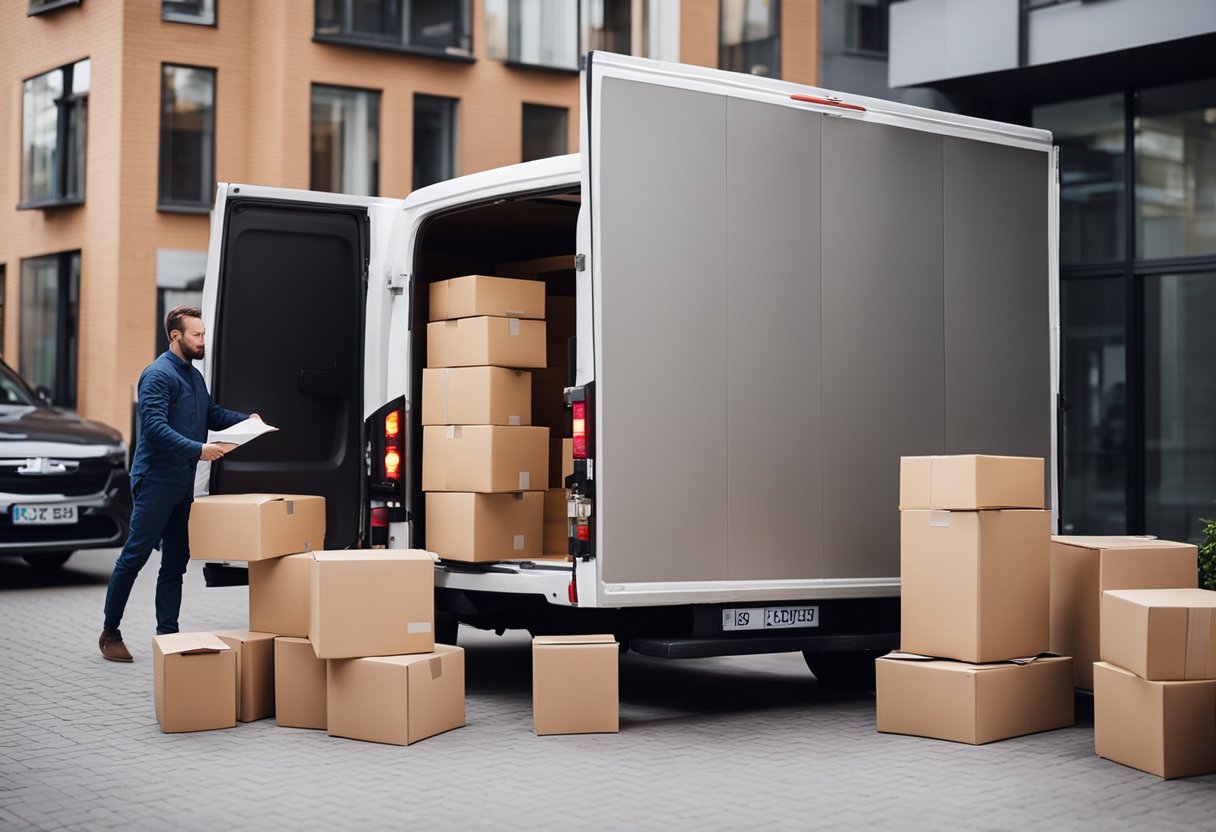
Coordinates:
x,y
42,431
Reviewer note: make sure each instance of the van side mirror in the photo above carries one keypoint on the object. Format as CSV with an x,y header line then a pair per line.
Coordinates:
x,y
44,393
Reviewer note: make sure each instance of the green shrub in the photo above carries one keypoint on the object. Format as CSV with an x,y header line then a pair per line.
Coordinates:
x,y
1207,555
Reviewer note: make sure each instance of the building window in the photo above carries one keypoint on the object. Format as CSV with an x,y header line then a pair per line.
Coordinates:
x,y
187,137
434,139
50,302
435,27
3,307
53,130
179,282
201,12
40,6
750,37
544,131
866,27
538,33
345,155
608,26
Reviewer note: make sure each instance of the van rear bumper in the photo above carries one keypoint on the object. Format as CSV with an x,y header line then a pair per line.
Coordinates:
x,y
700,648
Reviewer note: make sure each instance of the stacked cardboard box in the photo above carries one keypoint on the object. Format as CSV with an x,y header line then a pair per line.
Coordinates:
x,y
974,553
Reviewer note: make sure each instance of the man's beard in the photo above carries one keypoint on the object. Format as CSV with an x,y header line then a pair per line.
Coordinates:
x,y
193,355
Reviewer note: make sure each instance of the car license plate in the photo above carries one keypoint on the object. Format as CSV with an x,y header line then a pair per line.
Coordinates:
x,y
43,515
769,618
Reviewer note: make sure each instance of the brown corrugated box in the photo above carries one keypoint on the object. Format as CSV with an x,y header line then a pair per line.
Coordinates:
x,y
970,482
397,699
372,602
561,461
250,527
1160,634
1082,568
299,685
475,295
1164,728
973,703
280,592
193,682
975,583
575,686
485,527
254,673
476,396
475,342
485,458
556,530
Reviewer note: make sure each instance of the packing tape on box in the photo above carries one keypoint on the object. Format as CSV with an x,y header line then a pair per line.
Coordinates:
x,y
513,326
524,480
939,518
512,420
453,431
418,627
515,313
518,543
1200,657
291,507
436,665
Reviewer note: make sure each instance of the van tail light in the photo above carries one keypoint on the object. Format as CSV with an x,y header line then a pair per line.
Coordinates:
x,y
392,464
393,447
580,429
392,424
380,518
572,592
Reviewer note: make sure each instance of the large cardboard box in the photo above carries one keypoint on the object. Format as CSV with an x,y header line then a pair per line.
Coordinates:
x,y
373,602
485,527
475,295
476,396
549,406
1165,728
970,482
1160,634
193,682
299,685
280,592
254,673
474,342
561,461
397,699
975,583
255,526
575,688
557,529
487,459
1082,568
973,703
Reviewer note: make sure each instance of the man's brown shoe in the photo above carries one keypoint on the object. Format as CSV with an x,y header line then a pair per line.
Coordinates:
x,y
112,647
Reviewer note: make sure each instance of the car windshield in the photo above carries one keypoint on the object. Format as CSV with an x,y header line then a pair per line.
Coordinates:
x,y
13,391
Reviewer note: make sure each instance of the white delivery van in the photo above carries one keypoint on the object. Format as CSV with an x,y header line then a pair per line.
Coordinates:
x,y
779,291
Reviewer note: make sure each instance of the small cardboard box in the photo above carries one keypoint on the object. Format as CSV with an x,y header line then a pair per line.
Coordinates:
x,y
299,685
475,295
970,482
254,673
549,406
193,682
476,396
280,591
575,687
1082,568
487,459
1164,728
255,526
972,703
561,461
557,530
1160,634
397,699
485,527
975,583
373,602
476,342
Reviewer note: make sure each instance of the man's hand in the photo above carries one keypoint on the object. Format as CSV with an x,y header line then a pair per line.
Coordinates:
x,y
211,452
255,416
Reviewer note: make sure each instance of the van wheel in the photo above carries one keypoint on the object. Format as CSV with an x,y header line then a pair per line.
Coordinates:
x,y
48,562
844,670
447,628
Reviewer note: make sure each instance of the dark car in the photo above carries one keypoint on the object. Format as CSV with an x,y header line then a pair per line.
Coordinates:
x,y
63,479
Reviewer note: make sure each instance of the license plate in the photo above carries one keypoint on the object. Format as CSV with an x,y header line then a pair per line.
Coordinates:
x,y
769,618
43,515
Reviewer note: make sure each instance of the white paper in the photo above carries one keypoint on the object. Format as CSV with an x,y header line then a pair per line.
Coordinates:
x,y
240,433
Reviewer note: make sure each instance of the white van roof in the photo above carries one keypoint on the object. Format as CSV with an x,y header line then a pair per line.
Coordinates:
x,y
541,174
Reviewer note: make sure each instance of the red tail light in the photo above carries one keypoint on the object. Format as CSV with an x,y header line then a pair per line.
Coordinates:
x,y
572,592
392,464
580,430
392,424
380,518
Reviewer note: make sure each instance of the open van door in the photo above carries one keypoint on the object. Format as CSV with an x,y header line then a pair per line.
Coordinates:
x,y
285,303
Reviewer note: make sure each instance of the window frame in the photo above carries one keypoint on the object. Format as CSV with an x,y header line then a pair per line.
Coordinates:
x,y
63,138
379,97
50,7
523,127
67,361
214,24
778,18
446,53
455,137
187,207
579,55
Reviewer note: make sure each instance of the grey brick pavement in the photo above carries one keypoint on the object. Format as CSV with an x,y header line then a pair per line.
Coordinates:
x,y
714,744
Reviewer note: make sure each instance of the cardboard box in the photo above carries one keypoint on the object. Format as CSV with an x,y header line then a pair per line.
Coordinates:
x,y
561,461
1082,568
970,482
575,687
475,295
193,682
397,699
280,592
1165,728
1160,634
299,685
973,703
556,531
487,459
474,342
975,583
373,602
485,527
254,673
255,526
476,396
549,407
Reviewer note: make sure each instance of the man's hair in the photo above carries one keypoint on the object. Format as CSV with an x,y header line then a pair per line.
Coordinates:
x,y
175,319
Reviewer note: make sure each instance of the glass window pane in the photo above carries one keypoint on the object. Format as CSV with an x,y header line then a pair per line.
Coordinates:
x,y
434,139
345,142
751,37
536,32
1094,489
40,137
187,136
1176,171
188,11
544,131
49,311
3,289
423,24
662,35
866,29
1090,134
1180,404
607,26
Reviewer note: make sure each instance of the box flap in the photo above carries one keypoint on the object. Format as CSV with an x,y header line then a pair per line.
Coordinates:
x,y
1115,542
579,639
1189,598
190,643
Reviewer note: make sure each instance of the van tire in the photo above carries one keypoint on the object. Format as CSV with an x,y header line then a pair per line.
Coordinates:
x,y
844,670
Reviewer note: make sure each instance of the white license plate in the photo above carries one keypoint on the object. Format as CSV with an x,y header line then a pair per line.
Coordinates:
x,y
43,515
769,618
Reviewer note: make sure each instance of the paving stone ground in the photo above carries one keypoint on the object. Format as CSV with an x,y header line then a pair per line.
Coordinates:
x,y
729,743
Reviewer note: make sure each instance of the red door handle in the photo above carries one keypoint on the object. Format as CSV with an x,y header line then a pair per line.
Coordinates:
x,y
828,102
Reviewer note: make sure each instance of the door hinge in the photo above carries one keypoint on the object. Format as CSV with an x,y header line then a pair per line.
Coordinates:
x,y
580,262
398,281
